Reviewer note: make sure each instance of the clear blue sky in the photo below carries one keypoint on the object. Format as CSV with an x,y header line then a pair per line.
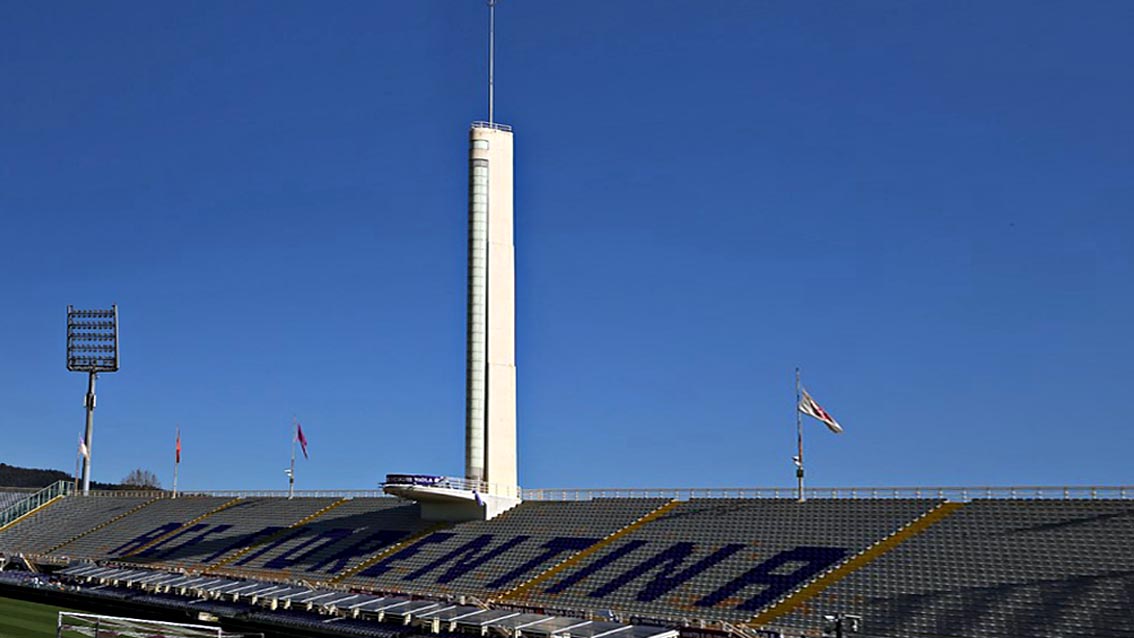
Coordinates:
x,y
926,205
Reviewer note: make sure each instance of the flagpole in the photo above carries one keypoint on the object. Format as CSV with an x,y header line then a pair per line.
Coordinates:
x,y
798,439
291,472
76,477
176,461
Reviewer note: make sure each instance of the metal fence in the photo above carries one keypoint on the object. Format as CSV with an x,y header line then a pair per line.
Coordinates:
x,y
242,493
34,500
957,494
492,125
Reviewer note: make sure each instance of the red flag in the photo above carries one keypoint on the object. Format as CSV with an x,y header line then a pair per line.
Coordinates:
x,y
178,445
302,439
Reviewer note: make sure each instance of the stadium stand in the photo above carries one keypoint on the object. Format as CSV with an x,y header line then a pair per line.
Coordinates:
x,y
722,559
480,558
239,525
315,609
998,568
336,542
153,523
12,496
910,567
63,520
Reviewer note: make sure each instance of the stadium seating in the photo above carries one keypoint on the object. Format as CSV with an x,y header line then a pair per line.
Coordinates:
x,y
239,525
999,568
721,558
912,568
63,520
481,558
335,542
11,497
131,533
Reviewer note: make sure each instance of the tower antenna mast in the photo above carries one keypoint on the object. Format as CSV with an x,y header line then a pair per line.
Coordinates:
x,y
491,59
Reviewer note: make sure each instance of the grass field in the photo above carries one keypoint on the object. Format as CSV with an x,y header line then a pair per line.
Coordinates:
x,y
19,619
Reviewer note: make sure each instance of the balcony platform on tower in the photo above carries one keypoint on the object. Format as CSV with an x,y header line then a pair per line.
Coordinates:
x,y
446,498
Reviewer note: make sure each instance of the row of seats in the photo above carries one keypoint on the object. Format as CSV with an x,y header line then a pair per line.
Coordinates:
x,y
486,557
337,541
11,497
61,521
128,534
724,558
999,569
236,526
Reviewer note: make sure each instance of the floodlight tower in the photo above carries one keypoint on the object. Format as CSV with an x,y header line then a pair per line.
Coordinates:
x,y
92,347
490,486
490,391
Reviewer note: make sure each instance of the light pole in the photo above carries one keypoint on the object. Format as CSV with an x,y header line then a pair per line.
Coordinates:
x,y
92,347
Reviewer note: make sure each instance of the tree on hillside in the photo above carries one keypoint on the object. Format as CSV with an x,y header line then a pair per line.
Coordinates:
x,y
142,478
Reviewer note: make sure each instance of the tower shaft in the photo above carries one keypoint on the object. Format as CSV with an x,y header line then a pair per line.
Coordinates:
x,y
490,428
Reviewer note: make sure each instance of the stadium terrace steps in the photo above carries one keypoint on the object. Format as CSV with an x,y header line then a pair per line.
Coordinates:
x,y
336,541
230,528
813,588
518,591
387,551
102,525
998,569
60,520
255,542
144,527
29,513
990,568
484,557
185,527
11,496
722,559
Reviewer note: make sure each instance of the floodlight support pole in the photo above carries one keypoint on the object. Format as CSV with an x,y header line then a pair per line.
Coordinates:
x,y
90,403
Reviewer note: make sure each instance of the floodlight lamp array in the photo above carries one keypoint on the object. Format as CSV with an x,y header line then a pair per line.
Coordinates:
x,y
92,314
92,340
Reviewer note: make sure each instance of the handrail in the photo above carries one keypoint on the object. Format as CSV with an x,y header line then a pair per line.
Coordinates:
x,y
950,493
243,493
450,482
37,499
492,125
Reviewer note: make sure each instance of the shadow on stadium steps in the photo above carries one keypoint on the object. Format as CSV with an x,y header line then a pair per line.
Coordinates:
x,y
342,539
1043,527
1034,608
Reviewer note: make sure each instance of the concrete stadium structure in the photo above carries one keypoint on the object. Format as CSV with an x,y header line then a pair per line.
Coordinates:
x,y
490,486
909,563
490,431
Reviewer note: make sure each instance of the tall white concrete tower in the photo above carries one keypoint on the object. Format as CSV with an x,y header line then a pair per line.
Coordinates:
x,y
490,486
490,428
490,386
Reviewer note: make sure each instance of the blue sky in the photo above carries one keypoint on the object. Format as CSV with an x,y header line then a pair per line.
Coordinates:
x,y
925,205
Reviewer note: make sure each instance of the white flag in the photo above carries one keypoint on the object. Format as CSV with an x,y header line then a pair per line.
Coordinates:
x,y
83,451
808,406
